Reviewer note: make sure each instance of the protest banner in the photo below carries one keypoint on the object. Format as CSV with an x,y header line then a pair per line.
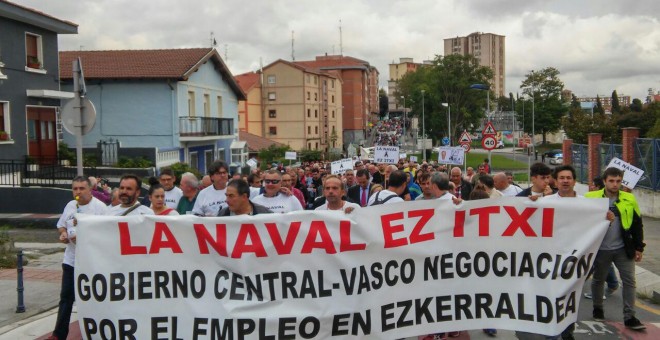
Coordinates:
x,y
386,154
631,173
384,272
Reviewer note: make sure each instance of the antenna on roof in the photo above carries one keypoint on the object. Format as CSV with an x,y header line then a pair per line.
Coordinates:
x,y
341,45
226,57
293,56
212,40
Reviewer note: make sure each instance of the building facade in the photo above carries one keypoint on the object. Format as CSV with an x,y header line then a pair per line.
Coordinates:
x,y
177,105
30,95
489,49
359,92
397,71
606,101
292,105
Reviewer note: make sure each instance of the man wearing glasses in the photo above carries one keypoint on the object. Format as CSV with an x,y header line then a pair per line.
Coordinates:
x,y
276,198
213,198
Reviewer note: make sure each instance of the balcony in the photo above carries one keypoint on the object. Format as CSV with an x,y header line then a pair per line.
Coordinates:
x,y
205,127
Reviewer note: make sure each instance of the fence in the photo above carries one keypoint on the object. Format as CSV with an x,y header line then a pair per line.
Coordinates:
x,y
607,153
581,161
44,173
647,158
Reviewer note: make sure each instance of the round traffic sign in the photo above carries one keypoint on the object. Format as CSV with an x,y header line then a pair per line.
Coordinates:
x,y
466,147
445,141
78,116
489,142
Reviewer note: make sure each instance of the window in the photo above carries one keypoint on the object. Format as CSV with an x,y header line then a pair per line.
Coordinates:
x,y
317,146
333,83
333,98
271,79
194,160
316,96
207,105
4,119
309,146
33,52
309,130
316,130
307,95
308,113
191,104
307,80
333,113
220,106
316,113
221,155
208,158
272,113
315,80
272,130
271,95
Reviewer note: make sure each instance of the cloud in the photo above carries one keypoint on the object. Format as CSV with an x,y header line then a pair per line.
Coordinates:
x,y
598,45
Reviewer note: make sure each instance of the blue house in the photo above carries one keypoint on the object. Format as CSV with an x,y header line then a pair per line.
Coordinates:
x,y
29,90
170,105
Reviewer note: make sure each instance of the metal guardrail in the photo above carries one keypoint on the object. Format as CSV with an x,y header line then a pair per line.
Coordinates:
x,y
205,126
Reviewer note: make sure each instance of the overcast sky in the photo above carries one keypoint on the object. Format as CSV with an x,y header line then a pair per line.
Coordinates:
x,y
597,45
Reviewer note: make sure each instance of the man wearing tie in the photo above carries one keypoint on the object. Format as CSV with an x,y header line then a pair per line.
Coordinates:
x,y
360,192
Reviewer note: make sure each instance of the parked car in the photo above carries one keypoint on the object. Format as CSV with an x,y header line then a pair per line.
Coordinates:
x,y
500,144
552,153
557,159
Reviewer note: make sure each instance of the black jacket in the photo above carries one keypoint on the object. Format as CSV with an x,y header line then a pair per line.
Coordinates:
x,y
256,209
354,193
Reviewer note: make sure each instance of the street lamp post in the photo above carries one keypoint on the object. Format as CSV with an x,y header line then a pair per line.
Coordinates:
x,y
484,87
448,121
423,131
403,140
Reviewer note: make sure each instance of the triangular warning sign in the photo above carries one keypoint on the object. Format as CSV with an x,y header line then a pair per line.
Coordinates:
x,y
465,138
489,129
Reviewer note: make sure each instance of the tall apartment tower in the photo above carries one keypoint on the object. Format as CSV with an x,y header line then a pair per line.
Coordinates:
x,y
488,48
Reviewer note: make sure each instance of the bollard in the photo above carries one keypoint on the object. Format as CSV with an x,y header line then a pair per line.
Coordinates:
x,y
20,308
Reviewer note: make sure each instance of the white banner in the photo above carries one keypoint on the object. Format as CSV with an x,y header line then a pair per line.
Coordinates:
x,y
382,272
292,155
386,154
451,155
631,173
340,166
413,158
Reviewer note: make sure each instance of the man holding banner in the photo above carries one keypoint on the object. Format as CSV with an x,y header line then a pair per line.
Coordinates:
x,y
623,245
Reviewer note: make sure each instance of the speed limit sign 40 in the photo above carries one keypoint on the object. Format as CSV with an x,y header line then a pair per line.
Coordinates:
x,y
489,142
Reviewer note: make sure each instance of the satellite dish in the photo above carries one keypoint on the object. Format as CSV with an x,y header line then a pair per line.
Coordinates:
x,y
71,116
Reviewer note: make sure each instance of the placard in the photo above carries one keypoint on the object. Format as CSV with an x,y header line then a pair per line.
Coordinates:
x,y
386,154
340,166
451,155
631,173
292,155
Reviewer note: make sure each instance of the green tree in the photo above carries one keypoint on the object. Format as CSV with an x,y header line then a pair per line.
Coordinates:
x,y
636,105
577,125
447,80
654,132
575,103
599,106
544,87
272,153
383,103
616,107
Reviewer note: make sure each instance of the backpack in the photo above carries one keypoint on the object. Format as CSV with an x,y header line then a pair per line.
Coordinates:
x,y
379,202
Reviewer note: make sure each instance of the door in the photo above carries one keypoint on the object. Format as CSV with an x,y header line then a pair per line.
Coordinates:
x,y
42,139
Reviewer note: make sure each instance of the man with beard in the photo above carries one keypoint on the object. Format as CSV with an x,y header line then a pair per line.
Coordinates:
x,y
129,192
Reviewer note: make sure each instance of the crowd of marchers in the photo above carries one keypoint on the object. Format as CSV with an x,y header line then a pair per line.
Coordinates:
x,y
312,186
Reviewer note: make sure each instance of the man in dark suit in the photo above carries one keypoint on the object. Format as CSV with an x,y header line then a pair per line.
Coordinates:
x,y
360,193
